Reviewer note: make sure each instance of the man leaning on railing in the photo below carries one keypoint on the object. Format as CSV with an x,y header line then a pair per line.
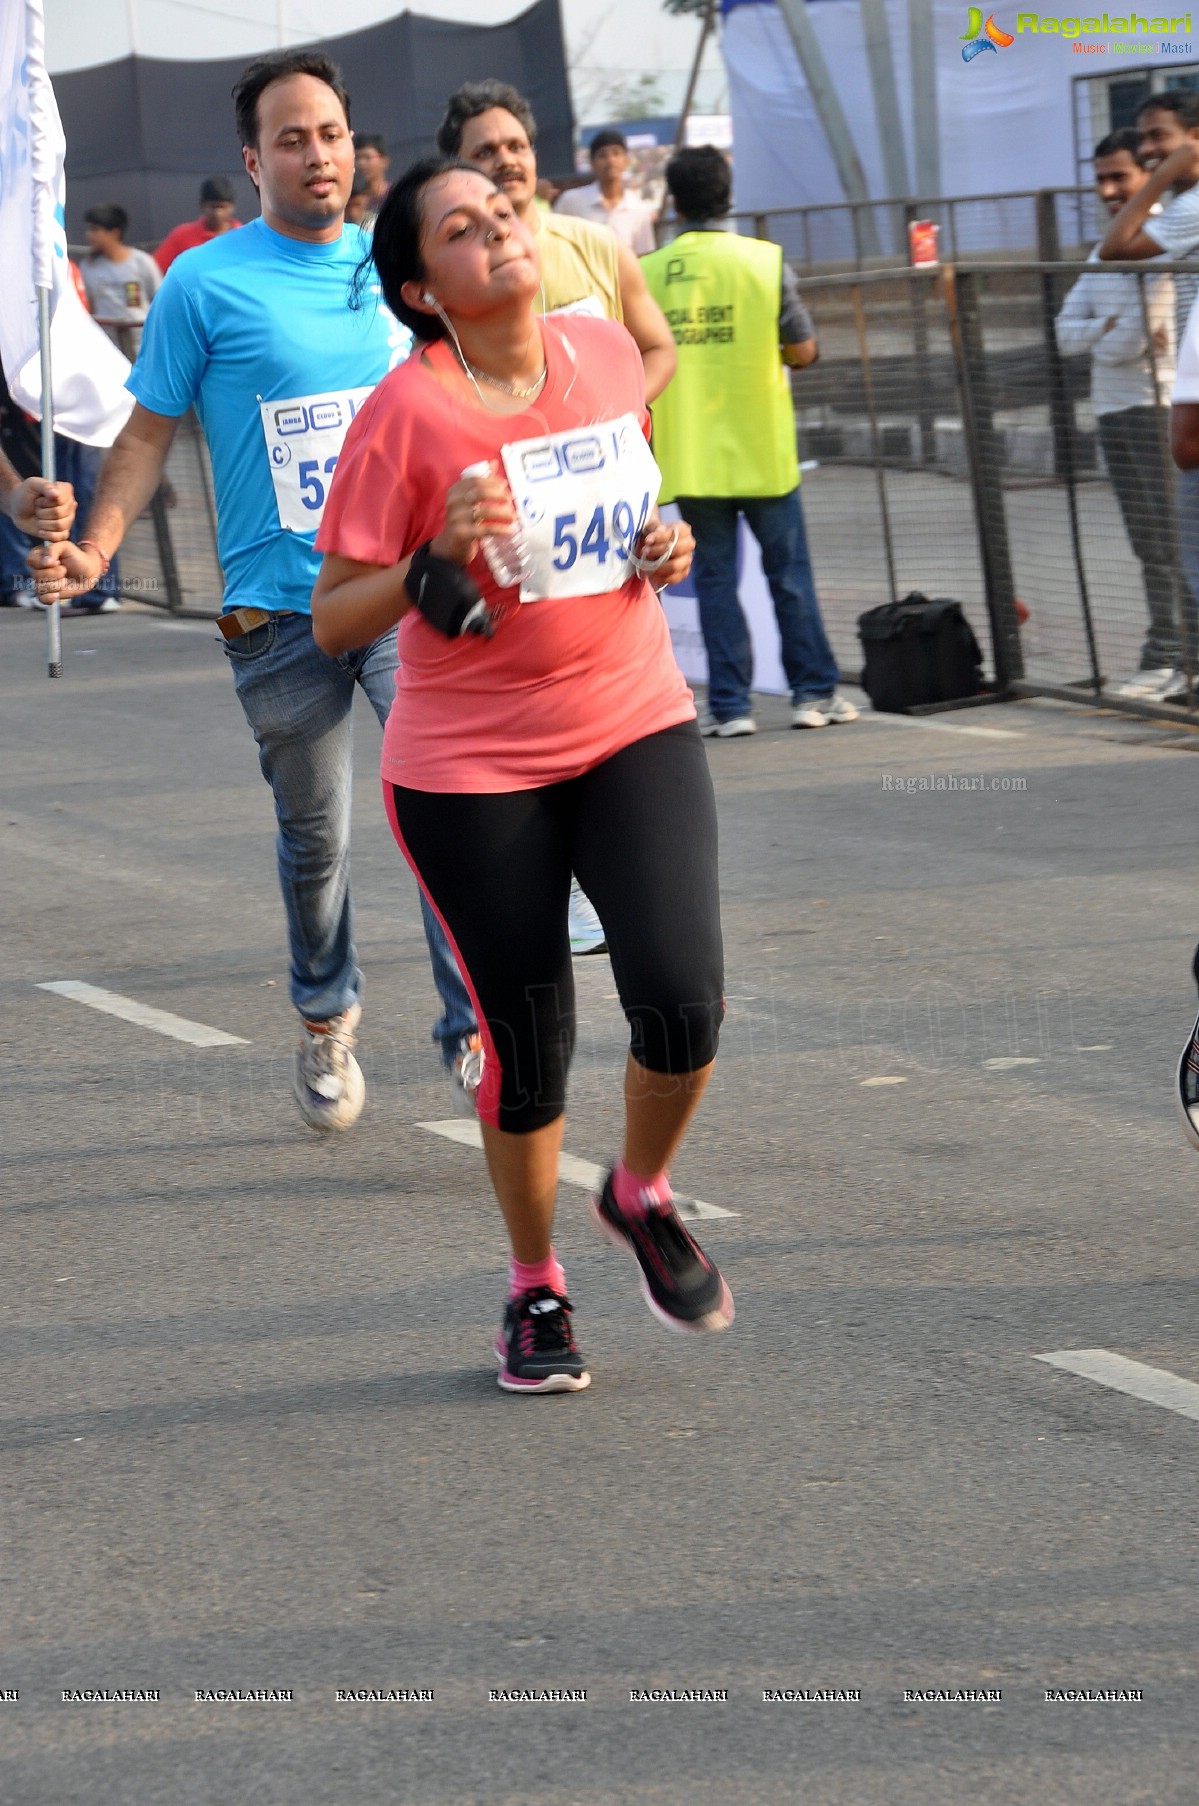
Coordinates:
x,y
1168,131
1131,341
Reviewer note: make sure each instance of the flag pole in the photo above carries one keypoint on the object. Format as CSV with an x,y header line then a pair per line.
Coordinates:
x,y
53,613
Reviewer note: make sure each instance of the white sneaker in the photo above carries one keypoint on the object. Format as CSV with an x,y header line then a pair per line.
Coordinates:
x,y
326,1078
466,1073
586,929
837,708
728,730
109,606
1147,684
809,714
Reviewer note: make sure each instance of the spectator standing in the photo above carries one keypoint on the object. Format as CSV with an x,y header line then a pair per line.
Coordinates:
x,y
1132,373
724,436
215,216
120,280
255,331
371,163
1168,125
358,211
607,201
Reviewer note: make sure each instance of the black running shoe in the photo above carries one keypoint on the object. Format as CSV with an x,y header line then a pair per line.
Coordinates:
x,y
1188,1087
536,1346
681,1286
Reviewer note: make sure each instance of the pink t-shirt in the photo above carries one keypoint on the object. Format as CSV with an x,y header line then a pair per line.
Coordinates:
x,y
564,683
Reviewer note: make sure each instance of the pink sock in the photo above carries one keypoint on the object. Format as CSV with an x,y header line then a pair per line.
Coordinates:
x,y
527,1275
636,1192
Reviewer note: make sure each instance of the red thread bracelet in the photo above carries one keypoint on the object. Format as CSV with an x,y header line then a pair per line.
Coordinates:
x,y
106,563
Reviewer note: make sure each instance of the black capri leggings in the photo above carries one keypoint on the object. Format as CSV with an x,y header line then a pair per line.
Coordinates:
x,y
639,832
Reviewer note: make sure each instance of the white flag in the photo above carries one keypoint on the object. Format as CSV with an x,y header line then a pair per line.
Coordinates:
x,y
91,403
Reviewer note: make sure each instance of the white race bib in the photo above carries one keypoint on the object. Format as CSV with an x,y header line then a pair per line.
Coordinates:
x,y
304,437
583,496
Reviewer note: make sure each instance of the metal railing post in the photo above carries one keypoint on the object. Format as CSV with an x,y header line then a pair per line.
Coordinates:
x,y
1061,415
166,552
984,457
875,444
925,406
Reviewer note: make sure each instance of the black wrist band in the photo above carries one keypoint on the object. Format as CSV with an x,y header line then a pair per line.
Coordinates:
x,y
448,598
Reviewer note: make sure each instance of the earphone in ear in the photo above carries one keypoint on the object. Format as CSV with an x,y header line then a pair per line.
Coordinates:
x,y
428,299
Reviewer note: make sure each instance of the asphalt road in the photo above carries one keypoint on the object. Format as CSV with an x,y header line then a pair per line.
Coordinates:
x,y
250,1436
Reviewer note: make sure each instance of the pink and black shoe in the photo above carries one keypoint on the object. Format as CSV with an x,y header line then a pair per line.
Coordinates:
x,y
536,1345
682,1287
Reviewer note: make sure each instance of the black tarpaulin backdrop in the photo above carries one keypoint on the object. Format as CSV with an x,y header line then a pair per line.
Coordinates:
x,y
145,133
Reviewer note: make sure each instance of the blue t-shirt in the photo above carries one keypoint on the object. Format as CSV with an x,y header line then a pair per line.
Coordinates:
x,y
254,330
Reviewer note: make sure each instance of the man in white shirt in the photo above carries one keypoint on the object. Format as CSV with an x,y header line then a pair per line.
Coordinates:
x,y
1132,372
1168,125
605,201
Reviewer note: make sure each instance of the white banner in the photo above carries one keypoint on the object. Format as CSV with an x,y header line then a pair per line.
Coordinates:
x,y
1005,121
682,615
91,403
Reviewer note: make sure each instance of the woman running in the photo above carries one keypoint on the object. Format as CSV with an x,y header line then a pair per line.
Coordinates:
x,y
539,728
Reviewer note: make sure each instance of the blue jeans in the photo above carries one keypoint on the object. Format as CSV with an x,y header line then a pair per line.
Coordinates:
x,y
777,524
298,700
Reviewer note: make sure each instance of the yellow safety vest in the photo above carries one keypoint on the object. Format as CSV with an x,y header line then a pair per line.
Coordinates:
x,y
725,424
580,262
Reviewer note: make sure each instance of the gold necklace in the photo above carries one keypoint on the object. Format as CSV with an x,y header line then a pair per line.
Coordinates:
x,y
497,382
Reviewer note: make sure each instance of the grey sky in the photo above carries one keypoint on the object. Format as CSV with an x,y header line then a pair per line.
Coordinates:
x,y
600,35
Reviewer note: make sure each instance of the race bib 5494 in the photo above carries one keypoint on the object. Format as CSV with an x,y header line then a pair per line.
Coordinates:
x,y
583,496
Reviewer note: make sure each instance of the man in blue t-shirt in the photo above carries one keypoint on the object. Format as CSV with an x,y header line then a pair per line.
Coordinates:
x,y
254,330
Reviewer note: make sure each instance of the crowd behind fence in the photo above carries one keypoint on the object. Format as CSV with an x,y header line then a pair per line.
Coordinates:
x,y
948,448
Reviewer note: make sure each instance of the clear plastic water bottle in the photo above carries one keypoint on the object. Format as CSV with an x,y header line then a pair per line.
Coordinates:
x,y
507,554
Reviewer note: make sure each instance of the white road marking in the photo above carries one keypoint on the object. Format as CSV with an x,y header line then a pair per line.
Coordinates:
x,y
882,1081
943,727
1153,1384
143,1015
571,1171
1006,1060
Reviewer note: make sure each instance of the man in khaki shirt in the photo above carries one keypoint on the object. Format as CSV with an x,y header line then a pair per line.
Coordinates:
x,y
491,125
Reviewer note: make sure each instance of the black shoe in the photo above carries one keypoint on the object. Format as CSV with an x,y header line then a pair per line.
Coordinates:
x,y
536,1346
681,1286
1188,1087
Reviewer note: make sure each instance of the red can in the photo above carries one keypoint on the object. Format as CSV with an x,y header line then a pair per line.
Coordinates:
x,y
922,241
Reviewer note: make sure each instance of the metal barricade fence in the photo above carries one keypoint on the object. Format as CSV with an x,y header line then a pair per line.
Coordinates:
x,y
854,235
949,448
169,555
952,450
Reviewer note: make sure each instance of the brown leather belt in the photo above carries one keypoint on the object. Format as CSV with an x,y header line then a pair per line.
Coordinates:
x,y
242,620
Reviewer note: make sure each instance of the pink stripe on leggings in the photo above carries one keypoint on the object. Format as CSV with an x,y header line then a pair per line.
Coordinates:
x,y
487,1097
